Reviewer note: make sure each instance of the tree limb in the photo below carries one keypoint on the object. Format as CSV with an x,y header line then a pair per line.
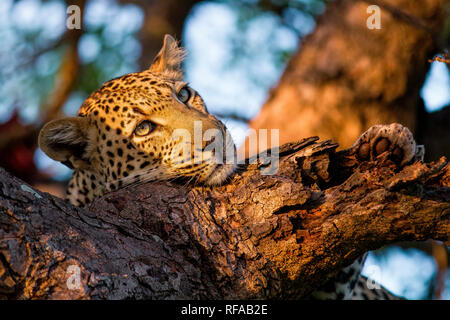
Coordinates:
x,y
259,236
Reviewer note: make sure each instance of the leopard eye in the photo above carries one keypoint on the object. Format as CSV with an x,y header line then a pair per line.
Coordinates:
x,y
144,128
184,94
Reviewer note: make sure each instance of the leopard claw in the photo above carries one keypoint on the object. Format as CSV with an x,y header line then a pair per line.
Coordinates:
x,y
393,138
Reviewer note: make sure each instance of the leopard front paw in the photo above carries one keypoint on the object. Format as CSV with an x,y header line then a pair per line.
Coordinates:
x,y
393,138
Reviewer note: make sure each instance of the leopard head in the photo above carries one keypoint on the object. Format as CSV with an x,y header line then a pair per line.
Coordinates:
x,y
140,127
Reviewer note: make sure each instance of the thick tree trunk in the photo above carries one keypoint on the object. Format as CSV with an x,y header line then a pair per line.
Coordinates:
x,y
259,236
347,77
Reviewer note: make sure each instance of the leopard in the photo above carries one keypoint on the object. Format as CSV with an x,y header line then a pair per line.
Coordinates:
x,y
139,127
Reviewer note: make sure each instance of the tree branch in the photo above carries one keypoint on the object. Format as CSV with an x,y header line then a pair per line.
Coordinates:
x,y
259,236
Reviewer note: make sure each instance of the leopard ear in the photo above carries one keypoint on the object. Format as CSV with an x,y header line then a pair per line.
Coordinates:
x,y
67,140
168,60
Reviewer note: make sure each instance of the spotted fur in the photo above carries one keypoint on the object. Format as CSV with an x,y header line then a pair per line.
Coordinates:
x,y
100,144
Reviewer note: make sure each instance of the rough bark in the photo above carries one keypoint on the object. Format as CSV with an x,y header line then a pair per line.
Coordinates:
x,y
347,77
259,236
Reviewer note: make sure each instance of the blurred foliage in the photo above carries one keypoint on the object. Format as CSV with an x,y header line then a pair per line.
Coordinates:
x,y
33,46
297,16
446,32
33,38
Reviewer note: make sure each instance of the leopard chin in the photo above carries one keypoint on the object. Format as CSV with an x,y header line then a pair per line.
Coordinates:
x,y
220,174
